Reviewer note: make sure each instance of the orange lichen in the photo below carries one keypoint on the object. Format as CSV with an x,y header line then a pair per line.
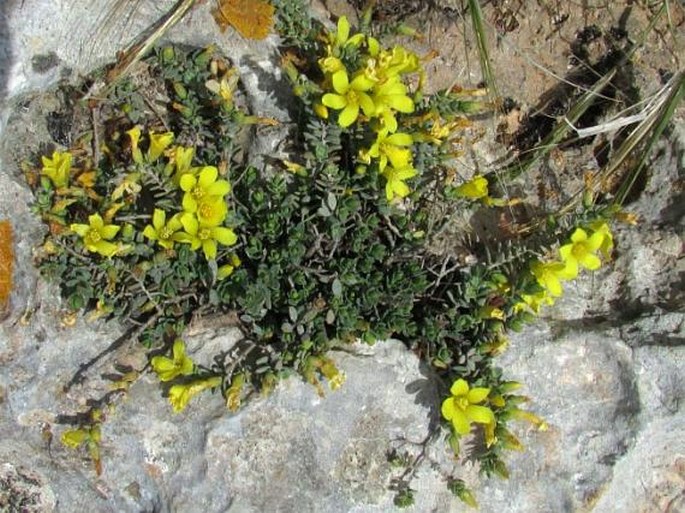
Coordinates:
x,y
6,263
252,18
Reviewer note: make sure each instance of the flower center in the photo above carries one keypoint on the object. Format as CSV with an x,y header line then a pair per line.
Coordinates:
x,y
198,192
93,236
204,234
205,210
579,250
461,402
165,233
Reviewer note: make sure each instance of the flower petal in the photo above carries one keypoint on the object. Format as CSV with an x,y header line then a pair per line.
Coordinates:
x,y
366,104
459,387
400,188
447,408
80,229
590,261
106,248
399,139
579,235
348,115
189,203
400,103
218,188
595,241
225,236
179,349
340,81
209,248
150,232
343,32
109,231
361,83
477,395
190,224
187,181
208,176
479,414
96,221
158,218
334,101
461,423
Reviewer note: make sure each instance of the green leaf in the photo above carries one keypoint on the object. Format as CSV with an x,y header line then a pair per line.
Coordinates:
x,y
337,288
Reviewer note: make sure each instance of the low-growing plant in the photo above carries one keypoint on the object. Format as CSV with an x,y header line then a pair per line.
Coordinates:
x,y
156,220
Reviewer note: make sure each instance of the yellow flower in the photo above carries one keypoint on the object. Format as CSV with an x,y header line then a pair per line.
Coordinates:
x,y
180,163
581,251
395,185
331,64
96,235
159,143
226,87
170,368
397,61
389,97
607,245
461,409
534,302
206,237
205,188
392,148
181,394
57,168
164,233
350,97
550,274
341,37
134,134
475,188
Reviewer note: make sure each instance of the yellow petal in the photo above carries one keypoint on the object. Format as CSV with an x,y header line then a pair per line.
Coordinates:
x,y
590,261
105,248
476,395
109,231
158,219
80,229
459,387
96,221
348,115
343,32
208,176
340,82
447,408
209,249
187,182
479,414
225,236
460,422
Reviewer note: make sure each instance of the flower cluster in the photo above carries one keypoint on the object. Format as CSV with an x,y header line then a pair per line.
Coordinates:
x,y
583,250
374,91
204,207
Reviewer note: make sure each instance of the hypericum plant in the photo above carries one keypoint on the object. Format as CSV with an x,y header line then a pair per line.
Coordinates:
x,y
163,223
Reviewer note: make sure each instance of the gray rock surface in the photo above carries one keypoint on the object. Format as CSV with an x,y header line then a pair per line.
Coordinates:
x,y
605,366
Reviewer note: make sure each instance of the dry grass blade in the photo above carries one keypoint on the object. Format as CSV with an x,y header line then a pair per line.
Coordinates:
x,y
649,132
567,123
483,53
144,43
